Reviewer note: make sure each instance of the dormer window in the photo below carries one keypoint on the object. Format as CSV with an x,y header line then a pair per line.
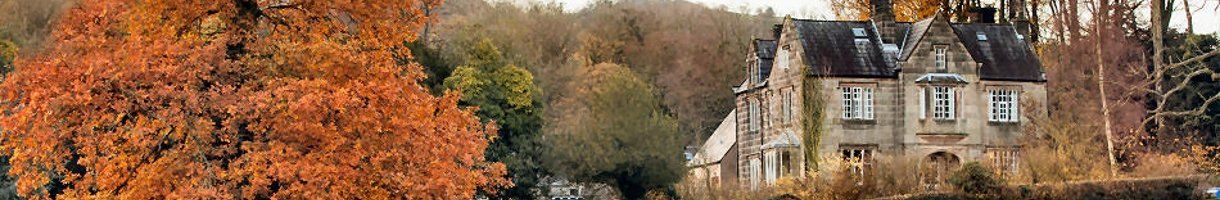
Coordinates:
x,y
859,32
981,36
941,57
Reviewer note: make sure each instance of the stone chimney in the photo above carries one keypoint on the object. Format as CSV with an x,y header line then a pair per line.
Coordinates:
x,y
776,30
882,15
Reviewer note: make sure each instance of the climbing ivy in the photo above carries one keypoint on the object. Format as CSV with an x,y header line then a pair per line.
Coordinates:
x,y
813,107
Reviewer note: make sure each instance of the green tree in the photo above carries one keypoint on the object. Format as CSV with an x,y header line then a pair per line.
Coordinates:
x,y
8,52
617,133
436,66
506,95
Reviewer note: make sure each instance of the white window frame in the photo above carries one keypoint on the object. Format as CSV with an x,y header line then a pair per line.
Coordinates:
x,y
787,105
781,58
943,103
1004,105
771,165
755,117
1005,160
857,103
755,164
942,56
752,71
858,159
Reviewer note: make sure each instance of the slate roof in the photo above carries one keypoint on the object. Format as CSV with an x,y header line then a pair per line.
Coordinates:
x,y
830,49
765,49
1005,56
917,31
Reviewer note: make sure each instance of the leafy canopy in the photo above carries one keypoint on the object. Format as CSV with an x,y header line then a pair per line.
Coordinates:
x,y
618,134
505,94
238,99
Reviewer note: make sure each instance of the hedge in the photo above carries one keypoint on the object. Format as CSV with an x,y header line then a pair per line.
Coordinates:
x,y
1171,188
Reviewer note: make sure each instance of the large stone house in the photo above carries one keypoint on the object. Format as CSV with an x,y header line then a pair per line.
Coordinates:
x,y
946,92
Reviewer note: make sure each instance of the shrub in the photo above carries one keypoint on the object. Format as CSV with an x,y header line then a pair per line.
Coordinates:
x,y
1179,188
973,178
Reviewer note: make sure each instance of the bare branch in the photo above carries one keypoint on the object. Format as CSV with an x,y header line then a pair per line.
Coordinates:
x,y
282,6
1196,58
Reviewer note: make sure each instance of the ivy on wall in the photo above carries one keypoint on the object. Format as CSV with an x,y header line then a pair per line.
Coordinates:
x,y
813,108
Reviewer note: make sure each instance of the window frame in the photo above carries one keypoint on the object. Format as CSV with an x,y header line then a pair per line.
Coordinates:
x,y
1003,105
944,103
787,98
857,102
754,115
1005,160
782,57
754,172
859,158
771,164
941,54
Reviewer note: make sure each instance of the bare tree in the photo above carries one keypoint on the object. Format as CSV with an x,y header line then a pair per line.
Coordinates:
x,y
1103,10
1163,89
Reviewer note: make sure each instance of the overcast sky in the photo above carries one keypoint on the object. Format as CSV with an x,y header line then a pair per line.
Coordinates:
x,y
1206,20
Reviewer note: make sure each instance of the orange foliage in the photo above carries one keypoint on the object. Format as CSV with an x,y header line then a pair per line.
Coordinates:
x,y
238,99
904,10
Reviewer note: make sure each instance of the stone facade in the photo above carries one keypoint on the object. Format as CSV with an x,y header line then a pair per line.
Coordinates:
x,y
901,100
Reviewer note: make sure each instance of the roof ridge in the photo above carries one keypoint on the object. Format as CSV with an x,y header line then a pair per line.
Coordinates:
x,y
977,23
825,20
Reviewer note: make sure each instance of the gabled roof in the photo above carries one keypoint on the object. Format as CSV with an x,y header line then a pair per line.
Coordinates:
x,y
917,31
719,144
1005,55
831,50
765,50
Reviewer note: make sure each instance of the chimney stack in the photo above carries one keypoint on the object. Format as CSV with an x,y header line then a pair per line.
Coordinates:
x,y
882,15
776,30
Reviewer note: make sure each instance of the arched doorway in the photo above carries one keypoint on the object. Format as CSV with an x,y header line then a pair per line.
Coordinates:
x,y
936,168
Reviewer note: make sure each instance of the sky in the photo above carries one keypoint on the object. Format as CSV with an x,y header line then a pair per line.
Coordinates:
x,y
1207,19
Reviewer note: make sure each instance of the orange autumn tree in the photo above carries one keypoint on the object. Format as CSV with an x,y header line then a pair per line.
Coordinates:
x,y
238,99
904,10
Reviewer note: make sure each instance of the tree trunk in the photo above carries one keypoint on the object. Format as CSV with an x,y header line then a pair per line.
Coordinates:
x,y
1190,21
1158,48
1035,22
1098,22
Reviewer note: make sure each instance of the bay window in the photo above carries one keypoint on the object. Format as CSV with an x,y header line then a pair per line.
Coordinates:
x,y
943,103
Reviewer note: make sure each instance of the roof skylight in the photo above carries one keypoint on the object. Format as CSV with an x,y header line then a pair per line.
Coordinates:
x,y
859,32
